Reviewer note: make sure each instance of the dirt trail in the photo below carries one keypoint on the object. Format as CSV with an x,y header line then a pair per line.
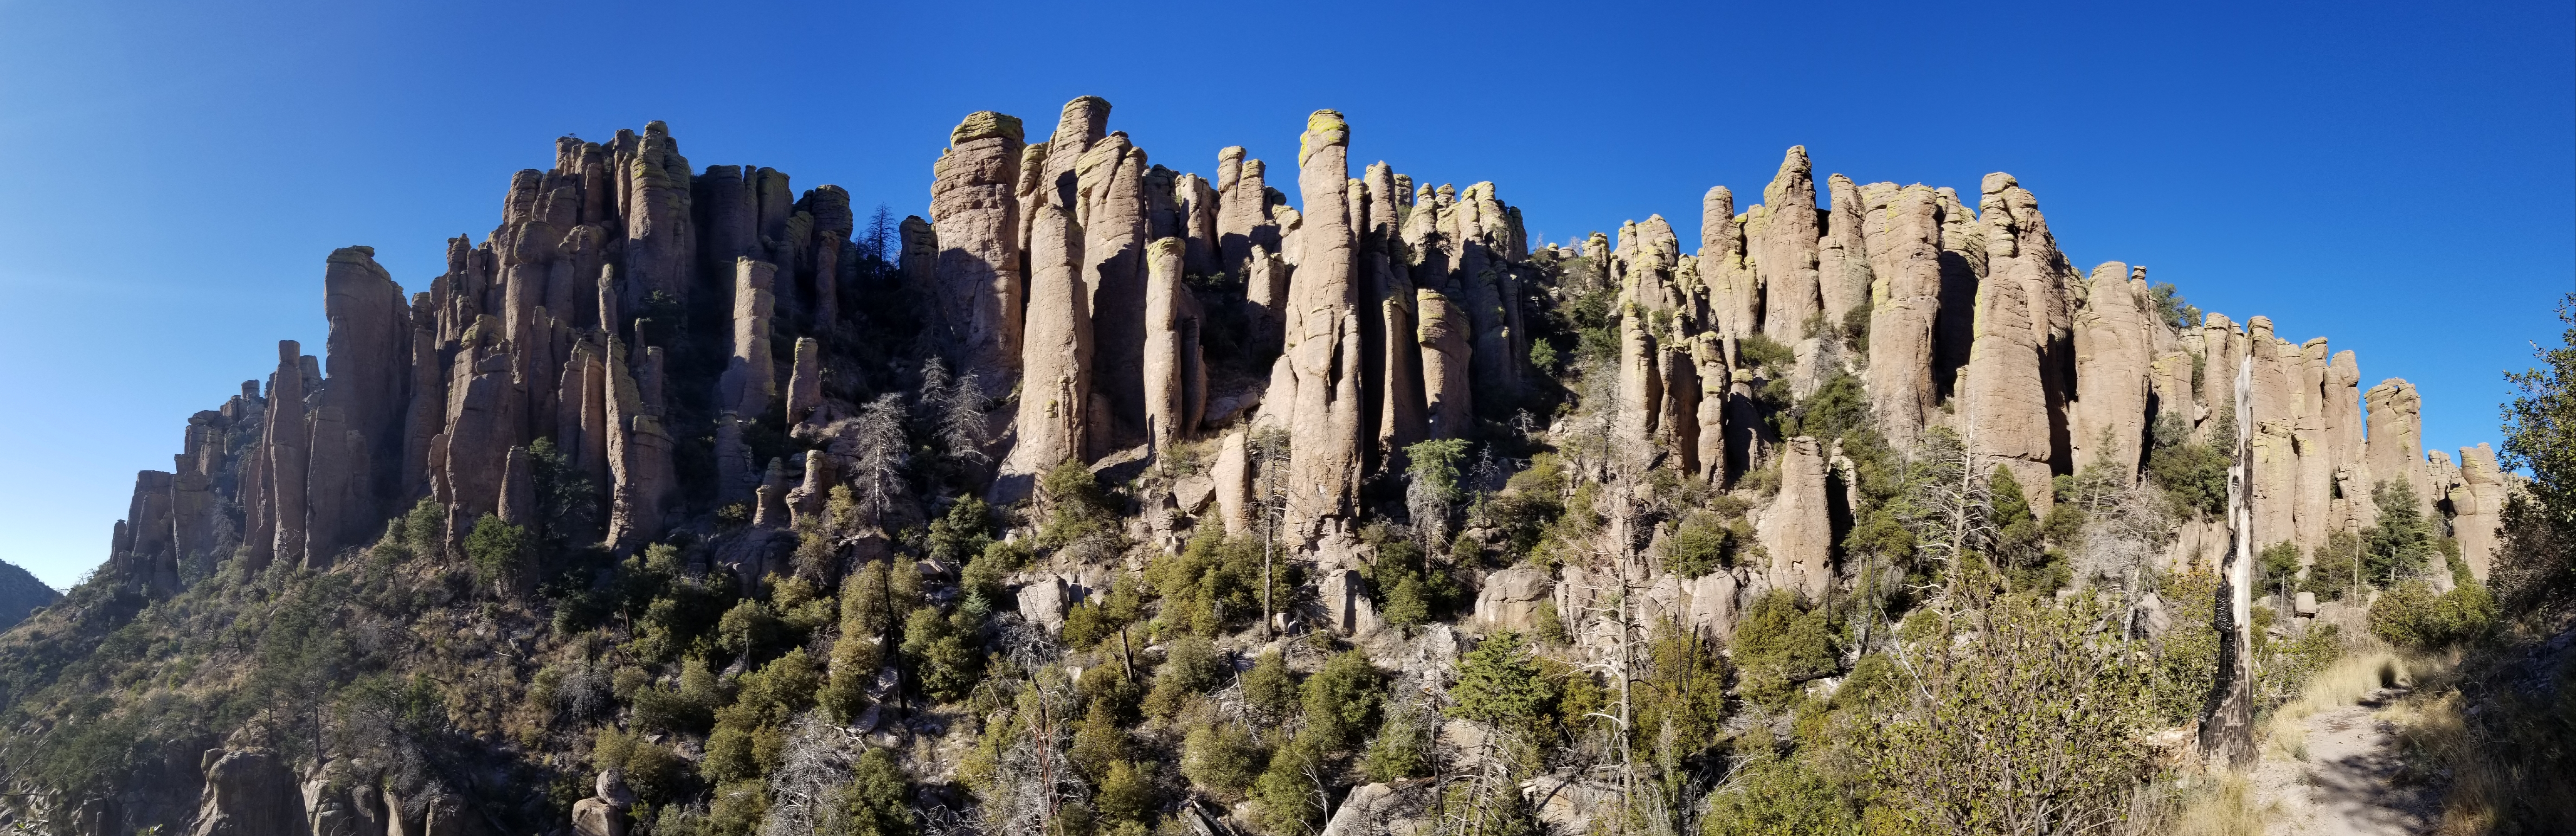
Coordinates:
x,y
2349,784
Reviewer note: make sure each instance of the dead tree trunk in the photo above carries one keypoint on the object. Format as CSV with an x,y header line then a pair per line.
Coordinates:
x,y
2227,730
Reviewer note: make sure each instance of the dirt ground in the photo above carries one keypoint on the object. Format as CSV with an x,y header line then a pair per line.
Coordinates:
x,y
2350,782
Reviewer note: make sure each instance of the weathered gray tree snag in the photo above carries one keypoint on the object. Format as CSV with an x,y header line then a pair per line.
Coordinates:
x,y
2227,732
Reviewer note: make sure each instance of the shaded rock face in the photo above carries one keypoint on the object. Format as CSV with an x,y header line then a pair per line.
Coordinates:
x,y
1175,372
1902,232
975,215
2021,339
248,793
2113,345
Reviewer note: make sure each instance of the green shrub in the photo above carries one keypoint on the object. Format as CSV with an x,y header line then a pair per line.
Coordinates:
x,y
1499,684
747,629
1190,666
1285,799
1856,328
1125,800
1774,796
1100,617
945,652
424,526
2403,541
2332,574
656,774
1837,407
2171,309
877,800
2277,566
2193,474
2412,615
1342,700
1701,544
499,551
2183,662
1270,687
1761,353
962,533
1780,643
1214,584
1402,747
2018,717
738,807
1221,758
1098,742
1078,505
1681,699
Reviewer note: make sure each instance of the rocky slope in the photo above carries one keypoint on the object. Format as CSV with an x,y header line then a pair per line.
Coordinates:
x,y
704,367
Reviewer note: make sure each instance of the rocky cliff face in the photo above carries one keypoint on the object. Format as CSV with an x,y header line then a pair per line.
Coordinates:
x,y
706,349
1394,312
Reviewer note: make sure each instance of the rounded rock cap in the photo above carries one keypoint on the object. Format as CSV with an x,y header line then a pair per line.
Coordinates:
x,y
984,124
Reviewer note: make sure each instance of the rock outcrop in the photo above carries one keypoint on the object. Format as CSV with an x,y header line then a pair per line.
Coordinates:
x,y
1072,278
248,792
1797,531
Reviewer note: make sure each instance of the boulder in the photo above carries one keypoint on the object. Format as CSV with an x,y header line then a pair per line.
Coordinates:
x,y
1193,494
1843,276
805,382
1045,602
2395,448
1441,339
1110,210
2022,336
593,817
1712,609
750,377
1511,598
1347,608
1231,480
1373,809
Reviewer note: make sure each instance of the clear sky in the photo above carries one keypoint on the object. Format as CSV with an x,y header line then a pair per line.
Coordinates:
x,y
2400,178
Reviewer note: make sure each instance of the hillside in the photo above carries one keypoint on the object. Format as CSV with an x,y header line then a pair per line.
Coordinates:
x,y
21,593
1116,499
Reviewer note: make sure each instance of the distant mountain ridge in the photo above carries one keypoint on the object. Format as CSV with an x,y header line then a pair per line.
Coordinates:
x,y
20,594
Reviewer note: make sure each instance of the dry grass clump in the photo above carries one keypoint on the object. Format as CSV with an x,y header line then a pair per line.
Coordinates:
x,y
2500,763
2220,804
2369,666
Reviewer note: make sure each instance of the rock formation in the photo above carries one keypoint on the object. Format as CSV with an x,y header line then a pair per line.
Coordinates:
x,y
975,212
706,348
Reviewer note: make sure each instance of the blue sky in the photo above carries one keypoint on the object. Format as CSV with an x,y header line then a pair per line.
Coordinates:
x,y
2399,178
